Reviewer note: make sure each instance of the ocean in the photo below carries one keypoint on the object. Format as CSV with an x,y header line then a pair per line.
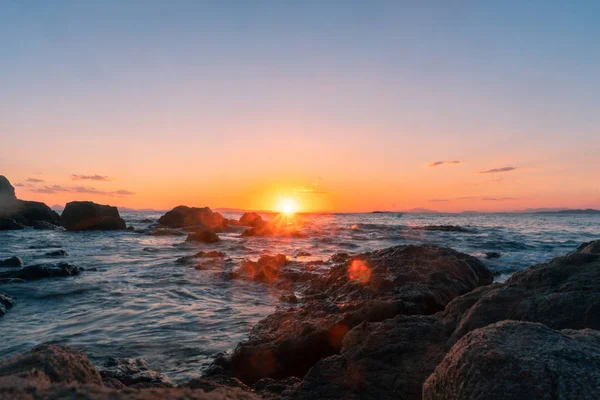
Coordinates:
x,y
140,303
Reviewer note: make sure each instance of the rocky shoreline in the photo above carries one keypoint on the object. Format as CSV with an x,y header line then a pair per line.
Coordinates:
x,y
406,322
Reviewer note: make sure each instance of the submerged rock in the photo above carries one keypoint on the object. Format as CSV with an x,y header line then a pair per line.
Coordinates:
x,y
443,228
133,372
164,232
58,363
492,254
44,226
6,302
34,272
57,253
192,216
204,236
518,360
202,254
371,287
87,215
12,262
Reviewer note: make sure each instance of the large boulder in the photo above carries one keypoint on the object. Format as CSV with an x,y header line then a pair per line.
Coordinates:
x,y
251,219
9,224
7,192
6,302
21,211
203,236
87,215
59,363
519,360
14,261
40,271
402,280
562,294
193,216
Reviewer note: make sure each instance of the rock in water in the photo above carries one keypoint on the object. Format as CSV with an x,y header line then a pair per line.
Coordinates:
x,y
251,219
21,211
192,216
57,253
12,262
8,224
87,215
6,302
59,363
7,192
203,236
133,372
34,272
44,226
519,360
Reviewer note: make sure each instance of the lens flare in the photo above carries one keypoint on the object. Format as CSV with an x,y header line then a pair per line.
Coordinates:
x,y
359,271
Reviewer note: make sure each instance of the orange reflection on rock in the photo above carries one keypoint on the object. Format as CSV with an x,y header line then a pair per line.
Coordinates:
x,y
336,335
359,271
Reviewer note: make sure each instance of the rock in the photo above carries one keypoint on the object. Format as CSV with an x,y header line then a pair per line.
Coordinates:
x,y
492,254
21,211
562,294
57,253
251,219
44,226
146,221
384,360
443,228
204,236
368,288
165,232
7,224
271,389
6,302
192,216
590,247
517,360
34,272
216,382
202,254
87,215
266,269
133,372
7,192
59,363
12,262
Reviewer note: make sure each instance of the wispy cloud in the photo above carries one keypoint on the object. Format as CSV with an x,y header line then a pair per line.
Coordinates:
x,y
19,185
495,170
89,177
498,198
51,189
34,180
303,190
438,163
122,193
485,198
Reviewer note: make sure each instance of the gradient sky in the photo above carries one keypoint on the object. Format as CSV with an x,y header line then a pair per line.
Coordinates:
x,y
339,105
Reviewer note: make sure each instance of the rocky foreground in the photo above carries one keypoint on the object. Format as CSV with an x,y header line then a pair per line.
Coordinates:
x,y
408,322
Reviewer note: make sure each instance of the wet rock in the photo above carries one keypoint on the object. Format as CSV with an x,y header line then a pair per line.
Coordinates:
x,y
492,254
12,262
192,216
87,215
21,211
517,360
146,221
133,372
590,247
443,228
562,294
57,253
251,219
44,226
202,254
266,269
7,191
203,236
6,302
8,224
216,382
58,363
34,272
368,288
273,389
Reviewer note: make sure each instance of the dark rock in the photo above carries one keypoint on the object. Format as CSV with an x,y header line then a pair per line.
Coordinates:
x,y
21,211
146,221
492,254
272,389
371,287
165,232
251,219
59,363
57,253
204,236
6,302
7,192
562,294
44,226
133,372
444,228
202,254
40,271
12,262
266,269
87,215
209,384
7,224
517,360
192,216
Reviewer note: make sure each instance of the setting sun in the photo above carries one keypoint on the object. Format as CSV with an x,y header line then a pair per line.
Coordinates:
x,y
287,206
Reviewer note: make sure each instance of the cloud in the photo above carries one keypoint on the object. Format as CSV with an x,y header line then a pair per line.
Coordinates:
x,y
19,185
34,180
485,198
439,200
80,189
303,190
438,163
495,170
498,198
89,178
122,193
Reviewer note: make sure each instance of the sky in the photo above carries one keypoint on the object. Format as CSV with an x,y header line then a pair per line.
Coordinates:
x,y
334,105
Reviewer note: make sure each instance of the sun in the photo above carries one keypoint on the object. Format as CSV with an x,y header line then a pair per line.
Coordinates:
x,y
287,206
